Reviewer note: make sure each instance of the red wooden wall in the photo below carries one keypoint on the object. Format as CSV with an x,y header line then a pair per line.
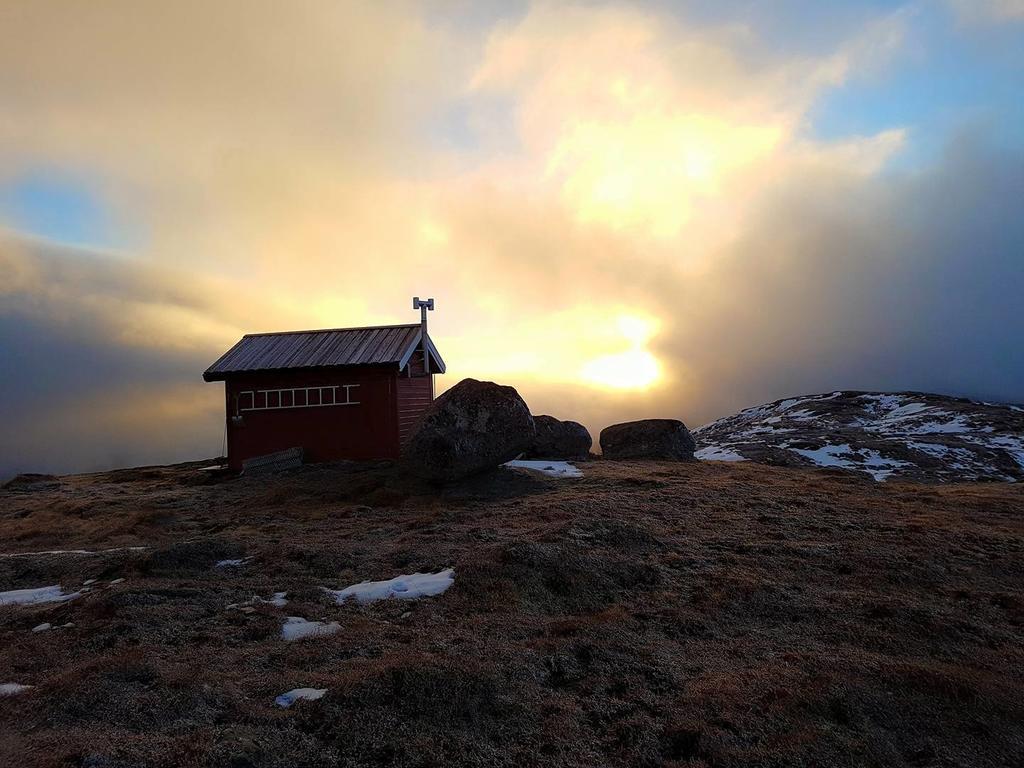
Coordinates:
x,y
414,396
367,430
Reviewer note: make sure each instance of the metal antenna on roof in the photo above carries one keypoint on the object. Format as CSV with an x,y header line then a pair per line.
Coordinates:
x,y
423,306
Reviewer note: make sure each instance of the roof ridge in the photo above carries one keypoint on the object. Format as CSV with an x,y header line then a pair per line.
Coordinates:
x,y
333,330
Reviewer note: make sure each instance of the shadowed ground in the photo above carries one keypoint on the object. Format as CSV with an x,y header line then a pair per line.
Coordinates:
x,y
646,614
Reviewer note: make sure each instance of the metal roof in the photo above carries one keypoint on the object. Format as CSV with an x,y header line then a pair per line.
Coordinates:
x,y
377,345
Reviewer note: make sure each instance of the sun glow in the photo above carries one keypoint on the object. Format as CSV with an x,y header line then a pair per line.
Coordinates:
x,y
599,347
635,368
651,171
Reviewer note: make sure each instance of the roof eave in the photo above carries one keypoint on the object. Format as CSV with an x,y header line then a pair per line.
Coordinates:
x,y
438,366
223,375
436,355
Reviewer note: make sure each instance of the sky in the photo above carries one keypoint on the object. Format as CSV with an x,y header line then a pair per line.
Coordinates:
x,y
624,210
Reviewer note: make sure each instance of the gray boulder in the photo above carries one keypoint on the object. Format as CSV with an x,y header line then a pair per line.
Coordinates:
x,y
560,439
648,439
474,426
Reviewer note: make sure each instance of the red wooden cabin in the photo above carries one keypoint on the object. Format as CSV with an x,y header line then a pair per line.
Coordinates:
x,y
346,393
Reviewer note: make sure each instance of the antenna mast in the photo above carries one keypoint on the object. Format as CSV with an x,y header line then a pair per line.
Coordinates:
x,y
423,306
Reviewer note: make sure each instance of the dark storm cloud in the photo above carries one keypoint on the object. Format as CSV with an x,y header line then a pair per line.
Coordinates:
x,y
80,388
896,282
47,366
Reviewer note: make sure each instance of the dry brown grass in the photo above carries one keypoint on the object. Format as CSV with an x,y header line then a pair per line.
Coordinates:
x,y
648,614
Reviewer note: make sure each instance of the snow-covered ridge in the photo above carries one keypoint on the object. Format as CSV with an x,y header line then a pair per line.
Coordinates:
x,y
887,435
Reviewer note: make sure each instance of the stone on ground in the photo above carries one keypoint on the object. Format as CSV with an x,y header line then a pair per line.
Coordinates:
x,y
648,439
560,439
474,426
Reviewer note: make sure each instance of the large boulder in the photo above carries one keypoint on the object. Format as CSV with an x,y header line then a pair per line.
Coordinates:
x,y
475,425
560,439
648,439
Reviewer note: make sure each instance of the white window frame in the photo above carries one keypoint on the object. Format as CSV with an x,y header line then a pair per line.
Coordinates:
x,y
280,393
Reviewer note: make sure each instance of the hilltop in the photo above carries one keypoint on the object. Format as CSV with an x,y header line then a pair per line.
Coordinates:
x,y
646,613
886,435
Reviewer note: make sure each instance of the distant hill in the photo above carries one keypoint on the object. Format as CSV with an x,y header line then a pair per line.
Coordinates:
x,y
887,435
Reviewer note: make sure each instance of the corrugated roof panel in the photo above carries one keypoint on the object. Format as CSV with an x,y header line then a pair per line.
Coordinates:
x,y
319,349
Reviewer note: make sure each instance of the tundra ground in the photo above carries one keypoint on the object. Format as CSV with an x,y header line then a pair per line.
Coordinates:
x,y
699,614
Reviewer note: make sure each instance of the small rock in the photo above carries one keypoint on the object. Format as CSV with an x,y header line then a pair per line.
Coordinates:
x,y
116,581
560,439
42,627
87,582
406,615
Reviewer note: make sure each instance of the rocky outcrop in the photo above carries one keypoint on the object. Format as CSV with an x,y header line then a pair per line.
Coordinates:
x,y
885,435
31,483
648,439
474,426
558,439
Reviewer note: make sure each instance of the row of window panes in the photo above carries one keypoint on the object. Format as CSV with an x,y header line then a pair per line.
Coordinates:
x,y
298,397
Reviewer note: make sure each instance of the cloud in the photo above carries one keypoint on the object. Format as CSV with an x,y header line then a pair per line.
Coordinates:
x,y
901,282
654,127
556,179
989,11
93,377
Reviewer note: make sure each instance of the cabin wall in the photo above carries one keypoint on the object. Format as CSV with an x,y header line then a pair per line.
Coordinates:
x,y
415,394
347,413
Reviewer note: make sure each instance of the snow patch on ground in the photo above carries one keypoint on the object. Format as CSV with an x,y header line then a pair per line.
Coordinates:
x,y
52,594
1012,445
906,411
552,468
940,451
786,404
827,455
878,466
298,628
402,587
802,415
718,453
955,426
935,450
11,689
307,694
845,457
232,563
